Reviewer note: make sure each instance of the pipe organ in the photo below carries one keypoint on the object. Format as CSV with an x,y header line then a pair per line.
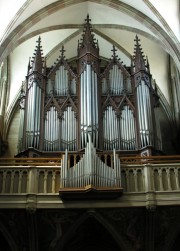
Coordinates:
x,y
111,102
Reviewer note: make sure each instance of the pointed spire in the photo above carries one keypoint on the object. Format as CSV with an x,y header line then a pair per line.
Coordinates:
x,y
88,41
138,58
37,62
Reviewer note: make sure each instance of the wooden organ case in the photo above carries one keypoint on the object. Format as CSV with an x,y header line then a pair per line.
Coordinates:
x,y
89,107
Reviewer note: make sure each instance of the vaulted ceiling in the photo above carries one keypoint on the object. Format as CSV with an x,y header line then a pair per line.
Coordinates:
x,y
114,22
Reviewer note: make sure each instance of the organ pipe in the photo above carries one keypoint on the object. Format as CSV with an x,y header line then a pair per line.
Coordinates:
x,y
110,129
52,124
21,128
144,114
89,106
68,134
33,116
127,129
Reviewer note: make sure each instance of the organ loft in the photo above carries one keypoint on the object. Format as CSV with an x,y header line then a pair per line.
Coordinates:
x,y
97,108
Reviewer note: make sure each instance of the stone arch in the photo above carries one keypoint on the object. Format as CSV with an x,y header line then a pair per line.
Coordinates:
x,y
91,225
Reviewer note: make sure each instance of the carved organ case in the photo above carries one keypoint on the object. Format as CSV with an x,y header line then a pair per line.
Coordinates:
x,y
62,105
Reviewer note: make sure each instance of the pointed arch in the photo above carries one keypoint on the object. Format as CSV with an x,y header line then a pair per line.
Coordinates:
x,y
104,224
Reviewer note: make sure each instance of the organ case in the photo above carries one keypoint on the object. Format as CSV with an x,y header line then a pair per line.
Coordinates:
x,y
109,101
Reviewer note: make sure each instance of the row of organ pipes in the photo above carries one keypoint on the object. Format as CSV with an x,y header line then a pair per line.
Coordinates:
x,y
60,86
52,130
119,132
60,133
90,171
116,80
127,129
118,83
61,81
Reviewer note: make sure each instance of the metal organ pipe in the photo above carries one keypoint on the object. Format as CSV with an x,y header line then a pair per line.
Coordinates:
x,y
21,126
33,116
145,114
89,105
51,131
127,129
110,129
68,133
116,80
88,95
90,170
149,115
140,114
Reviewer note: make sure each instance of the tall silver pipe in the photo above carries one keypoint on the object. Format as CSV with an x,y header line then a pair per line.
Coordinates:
x,y
140,114
85,108
150,116
97,109
144,97
29,114
128,124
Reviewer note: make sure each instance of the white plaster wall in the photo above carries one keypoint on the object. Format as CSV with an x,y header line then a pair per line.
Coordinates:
x,y
170,11
8,8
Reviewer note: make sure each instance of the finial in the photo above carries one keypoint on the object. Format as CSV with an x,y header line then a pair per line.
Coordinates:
x,y
62,52
137,39
88,20
114,52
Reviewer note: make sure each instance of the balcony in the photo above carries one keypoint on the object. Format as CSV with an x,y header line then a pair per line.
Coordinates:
x,y
34,182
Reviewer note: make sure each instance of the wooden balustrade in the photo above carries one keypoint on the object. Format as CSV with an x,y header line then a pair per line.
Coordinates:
x,y
30,179
31,175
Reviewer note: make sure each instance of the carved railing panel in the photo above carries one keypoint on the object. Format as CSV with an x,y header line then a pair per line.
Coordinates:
x,y
44,176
